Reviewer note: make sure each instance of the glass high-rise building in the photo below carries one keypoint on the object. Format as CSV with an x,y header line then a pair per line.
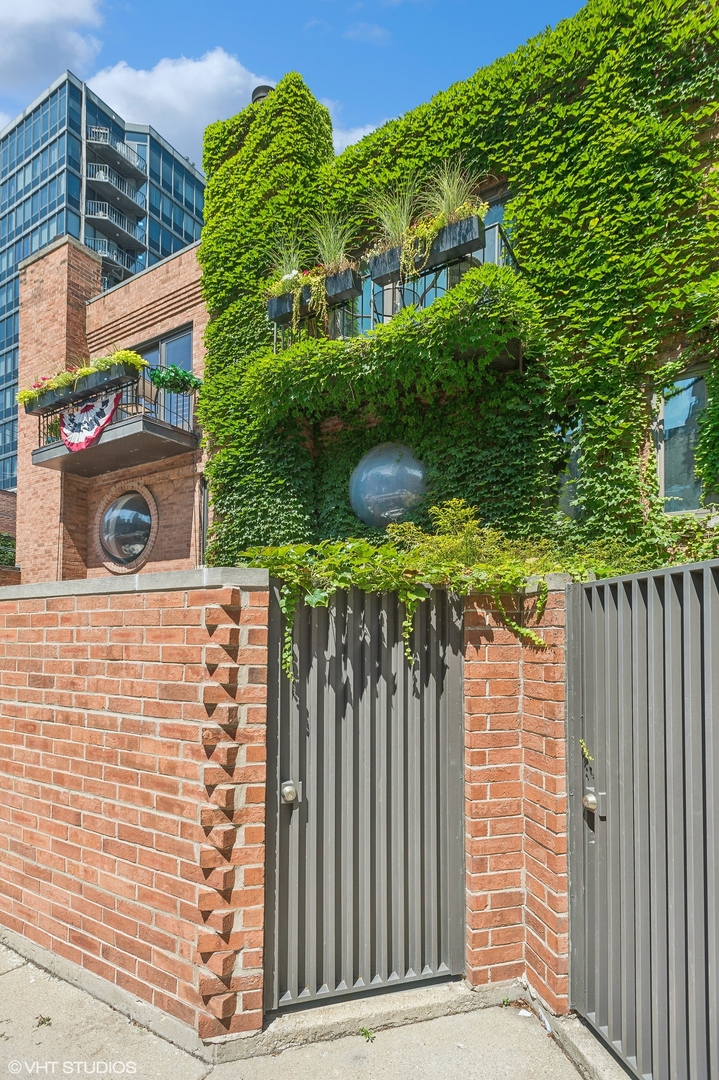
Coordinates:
x,y
70,165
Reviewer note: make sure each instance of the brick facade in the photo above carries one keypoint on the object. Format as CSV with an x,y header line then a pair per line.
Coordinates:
x,y
132,795
62,319
517,897
54,285
132,790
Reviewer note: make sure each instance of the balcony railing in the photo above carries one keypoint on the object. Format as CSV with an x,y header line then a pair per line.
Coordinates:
x,y
107,211
111,251
104,137
139,399
105,175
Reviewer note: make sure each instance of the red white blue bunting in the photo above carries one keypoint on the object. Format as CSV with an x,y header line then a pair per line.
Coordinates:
x,y
81,428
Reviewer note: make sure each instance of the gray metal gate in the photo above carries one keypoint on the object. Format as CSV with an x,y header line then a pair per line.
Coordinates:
x,y
365,868
644,865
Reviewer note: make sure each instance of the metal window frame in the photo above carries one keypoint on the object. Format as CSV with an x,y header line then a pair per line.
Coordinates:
x,y
694,371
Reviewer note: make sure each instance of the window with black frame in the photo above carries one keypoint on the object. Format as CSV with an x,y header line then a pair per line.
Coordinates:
x,y
172,351
678,432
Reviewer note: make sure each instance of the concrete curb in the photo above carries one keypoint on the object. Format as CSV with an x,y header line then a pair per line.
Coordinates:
x,y
148,1016
321,1023
586,1051
324,1023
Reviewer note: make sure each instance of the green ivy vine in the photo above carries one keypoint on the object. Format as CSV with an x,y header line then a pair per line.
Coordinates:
x,y
604,134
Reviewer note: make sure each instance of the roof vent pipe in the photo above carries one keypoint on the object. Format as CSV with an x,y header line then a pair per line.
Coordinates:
x,y
260,93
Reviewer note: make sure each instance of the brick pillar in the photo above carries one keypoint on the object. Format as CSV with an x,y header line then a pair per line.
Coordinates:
x,y
517,893
54,287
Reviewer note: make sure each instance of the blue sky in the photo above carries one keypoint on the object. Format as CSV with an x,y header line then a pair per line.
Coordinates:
x,y
180,64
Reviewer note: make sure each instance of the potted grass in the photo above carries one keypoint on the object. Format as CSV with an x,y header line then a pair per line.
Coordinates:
x,y
394,212
288,296
332,238
454,211
67,387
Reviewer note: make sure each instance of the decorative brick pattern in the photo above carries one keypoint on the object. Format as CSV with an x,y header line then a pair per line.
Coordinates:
x,y
131,802
149,305
517,895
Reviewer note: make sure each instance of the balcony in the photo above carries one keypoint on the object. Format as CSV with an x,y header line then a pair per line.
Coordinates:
x,y
115,188
123,230
116,152
149,425
119,260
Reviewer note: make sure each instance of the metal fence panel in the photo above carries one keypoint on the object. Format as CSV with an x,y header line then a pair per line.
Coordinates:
x,y
366,870
643,695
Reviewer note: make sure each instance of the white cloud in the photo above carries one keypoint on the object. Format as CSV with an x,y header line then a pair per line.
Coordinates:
x,y
179,97
40,38
344,137
368,32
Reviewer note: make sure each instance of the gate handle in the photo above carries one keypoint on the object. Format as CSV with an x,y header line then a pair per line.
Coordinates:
x,y
291,792
590,801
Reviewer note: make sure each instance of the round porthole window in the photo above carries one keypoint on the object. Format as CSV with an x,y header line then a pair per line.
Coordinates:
x,y
125,528
387,485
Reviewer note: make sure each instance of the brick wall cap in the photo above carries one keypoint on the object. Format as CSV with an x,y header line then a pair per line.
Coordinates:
x,y
555,583
169,581
70,240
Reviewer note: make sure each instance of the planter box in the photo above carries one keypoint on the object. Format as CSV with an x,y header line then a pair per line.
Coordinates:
x,y
456,240
87,386
451,243
279,308
343,286
384,268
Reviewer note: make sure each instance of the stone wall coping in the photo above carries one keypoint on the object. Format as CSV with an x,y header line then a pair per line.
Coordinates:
x,y
53,246
168,581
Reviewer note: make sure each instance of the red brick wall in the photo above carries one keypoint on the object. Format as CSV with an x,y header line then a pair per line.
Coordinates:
x,y
62,318
149,305
132,772
54,286
8,512
517,894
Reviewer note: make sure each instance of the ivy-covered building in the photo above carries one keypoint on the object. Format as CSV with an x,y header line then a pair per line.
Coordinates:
x,y
566,386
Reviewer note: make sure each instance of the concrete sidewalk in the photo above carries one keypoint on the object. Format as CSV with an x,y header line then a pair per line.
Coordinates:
x,y
50,1028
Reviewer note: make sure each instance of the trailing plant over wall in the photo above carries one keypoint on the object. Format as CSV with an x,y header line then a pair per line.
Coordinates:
x,y
604,132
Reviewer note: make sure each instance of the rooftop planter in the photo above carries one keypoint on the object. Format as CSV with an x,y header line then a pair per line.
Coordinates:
x,y
345,285
84,387
456,240
279,308
384,268
451,243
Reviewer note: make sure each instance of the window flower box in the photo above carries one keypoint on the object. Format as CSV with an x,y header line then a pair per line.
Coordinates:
x,y
456,240
384,268
346,285
451,243
279,308
84,387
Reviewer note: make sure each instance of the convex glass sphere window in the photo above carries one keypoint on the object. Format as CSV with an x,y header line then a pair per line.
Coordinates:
x,y
387,485
125,528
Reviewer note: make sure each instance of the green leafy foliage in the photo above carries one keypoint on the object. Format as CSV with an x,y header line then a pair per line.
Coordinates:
x,y
604,131
458,554
7,549
174,379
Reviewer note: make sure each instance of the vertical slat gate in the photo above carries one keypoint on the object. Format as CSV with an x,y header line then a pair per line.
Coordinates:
x,y
643,729
366,870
